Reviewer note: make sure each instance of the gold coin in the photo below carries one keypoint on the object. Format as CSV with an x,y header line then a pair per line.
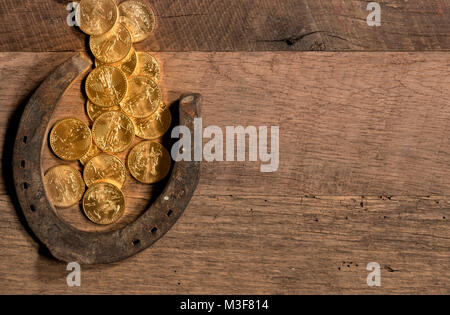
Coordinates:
x,y
64,186
106,86
143,97
113,46
104,167
128,65
97,17
154,126
95,111
104,203
148,65
113,132
93,151
70,139
138,18
149,162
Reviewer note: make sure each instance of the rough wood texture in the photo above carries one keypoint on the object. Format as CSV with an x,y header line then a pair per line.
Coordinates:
x,y
244,25
364,149
406,25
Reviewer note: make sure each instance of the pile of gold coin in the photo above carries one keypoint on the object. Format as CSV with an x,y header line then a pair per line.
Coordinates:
x,y
124,101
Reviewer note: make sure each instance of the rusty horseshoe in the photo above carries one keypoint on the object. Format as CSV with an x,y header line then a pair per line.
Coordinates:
x,y
65,242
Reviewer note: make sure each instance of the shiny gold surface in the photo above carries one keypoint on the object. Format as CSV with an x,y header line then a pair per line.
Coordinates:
x,y
154,126
148,66
70,139
143,98
113,132
149,162
97,17
113,46
138,18
104,203
106,86
93,151
64,186
95,111
104,167
124,101
127,65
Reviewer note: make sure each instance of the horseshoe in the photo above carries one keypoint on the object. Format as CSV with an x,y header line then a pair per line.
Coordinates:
x,y
65,242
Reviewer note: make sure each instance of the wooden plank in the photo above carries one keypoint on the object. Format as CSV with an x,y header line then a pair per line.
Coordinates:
x,y
242,25
244,244
363,177
183,25
366,123
414,25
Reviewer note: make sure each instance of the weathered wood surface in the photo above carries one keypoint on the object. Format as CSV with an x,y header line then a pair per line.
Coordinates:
x,y
244,25
364,152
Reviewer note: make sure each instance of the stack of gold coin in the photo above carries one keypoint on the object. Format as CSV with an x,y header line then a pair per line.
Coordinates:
x,y
124,101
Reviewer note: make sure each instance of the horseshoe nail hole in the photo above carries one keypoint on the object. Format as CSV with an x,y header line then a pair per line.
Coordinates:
x,y
32,208
25,139
25,185
154,230
169,213
136,243
22,164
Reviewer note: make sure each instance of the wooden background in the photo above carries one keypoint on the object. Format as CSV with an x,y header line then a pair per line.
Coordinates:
x,y
364,148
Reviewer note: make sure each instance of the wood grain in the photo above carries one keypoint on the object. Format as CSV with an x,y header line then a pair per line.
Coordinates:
x,y
364,152
244,25
414,25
